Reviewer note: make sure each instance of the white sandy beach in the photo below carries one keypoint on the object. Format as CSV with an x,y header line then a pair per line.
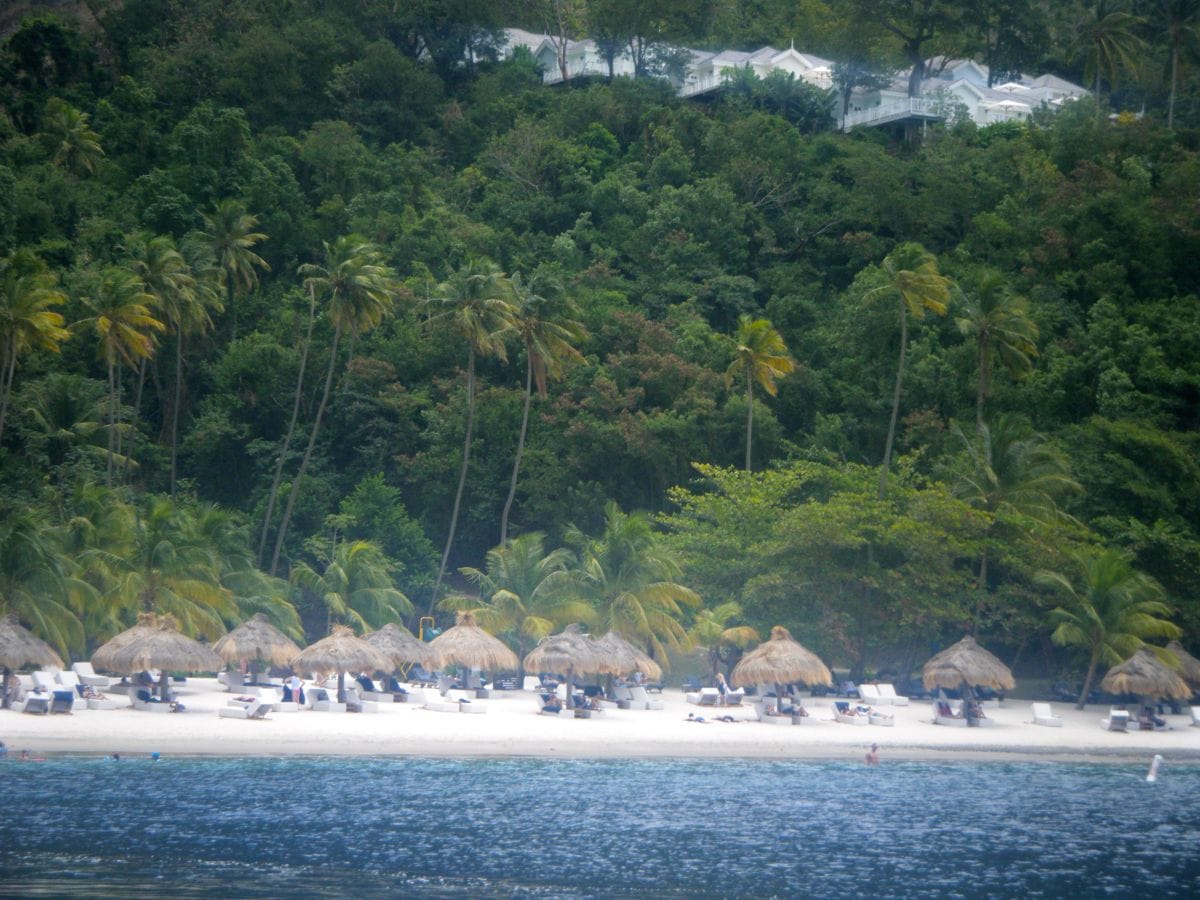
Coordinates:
x,y
513,727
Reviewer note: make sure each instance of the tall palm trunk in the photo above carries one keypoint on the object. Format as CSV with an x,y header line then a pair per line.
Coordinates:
x,y
175,406
287,439
1087,682
512,485
1170,97
6,379
462,475
112,424
985,384
891,435
749,415
982,591
312,441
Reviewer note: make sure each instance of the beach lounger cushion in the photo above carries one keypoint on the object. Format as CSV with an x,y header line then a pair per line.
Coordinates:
x,y
1044,715
88,675
887,694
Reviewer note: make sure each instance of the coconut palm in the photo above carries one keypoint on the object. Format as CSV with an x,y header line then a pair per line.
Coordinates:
x,y
542,324
62,423
631,582
1107,43
761,357
28,321
171,566
911,277
476,302
229,237
998,321
1108,610
38,582
180,299
1179,22
1011,472
712,631
76,146
361,291
355,587
525,593
126,327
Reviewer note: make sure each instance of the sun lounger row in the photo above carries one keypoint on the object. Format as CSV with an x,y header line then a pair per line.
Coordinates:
x,y
711,696
881,695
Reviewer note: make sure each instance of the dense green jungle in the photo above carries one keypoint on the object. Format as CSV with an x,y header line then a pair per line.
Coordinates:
x,y
317,309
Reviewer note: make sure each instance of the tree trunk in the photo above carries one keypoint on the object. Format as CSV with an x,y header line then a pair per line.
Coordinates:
x,y
112,425
1170,96
287,439
749,416
312,441
891,435
175,407
981,588
1087,682
512,486
462,476
6,380
985,378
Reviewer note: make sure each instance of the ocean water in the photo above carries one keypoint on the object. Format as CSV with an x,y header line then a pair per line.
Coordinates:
x,y
352,827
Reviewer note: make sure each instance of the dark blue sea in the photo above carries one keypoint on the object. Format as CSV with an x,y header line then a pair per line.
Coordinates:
x,y
351,827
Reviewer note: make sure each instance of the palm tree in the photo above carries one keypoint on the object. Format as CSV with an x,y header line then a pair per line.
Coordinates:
x,y
63,419
126,328
229,237
38,582
1107,43
1179,22
549,338
76,146
525,592
355,587
1108,611
28,321
713,631
477,301
362,291
911,277
181,301
171,567
761,357
998,321
631,582
1011,472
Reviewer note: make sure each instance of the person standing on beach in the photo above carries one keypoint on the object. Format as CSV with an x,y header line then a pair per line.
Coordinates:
x,y
722,687
873,755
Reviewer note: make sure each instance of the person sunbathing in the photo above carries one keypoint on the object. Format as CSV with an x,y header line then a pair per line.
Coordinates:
x,y
551,704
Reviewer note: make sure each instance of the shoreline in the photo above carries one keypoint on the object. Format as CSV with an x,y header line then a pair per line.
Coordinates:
x,y
513,729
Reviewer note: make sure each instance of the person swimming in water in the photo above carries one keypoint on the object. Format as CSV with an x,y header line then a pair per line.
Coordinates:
x,y
872,758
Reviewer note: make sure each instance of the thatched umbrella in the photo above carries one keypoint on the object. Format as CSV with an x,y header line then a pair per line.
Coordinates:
x,y
21,647
256,639
1189,666
630,658
468,645
1144,674
569,652
342,650
155,643
966,665
401,647
779,661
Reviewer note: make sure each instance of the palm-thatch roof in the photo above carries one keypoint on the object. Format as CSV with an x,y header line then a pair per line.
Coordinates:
x,y
402,647
628,657
155,643
780,660
568,652
254,639
1145,674
1189,666
466,644
21,647
342,651
966,663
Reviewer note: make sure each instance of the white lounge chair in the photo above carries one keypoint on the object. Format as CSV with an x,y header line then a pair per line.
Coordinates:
x,y
875,717
45,681
641,699
88,675
1196,716
870,694
843,713
319,700
1044,715
708,696
237,709
1118,720
955,719
887,694
437,704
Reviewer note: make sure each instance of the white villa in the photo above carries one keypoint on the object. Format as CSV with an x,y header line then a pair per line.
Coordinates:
x,y
959,88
